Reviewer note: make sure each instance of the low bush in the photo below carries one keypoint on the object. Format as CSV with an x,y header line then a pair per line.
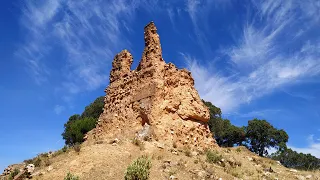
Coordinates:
x,y
71,177
13,174
36,162
64,149
138,169
46,162
213,156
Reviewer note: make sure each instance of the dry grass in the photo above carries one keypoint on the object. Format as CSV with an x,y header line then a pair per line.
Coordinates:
x,y
138,143
187,152
105,161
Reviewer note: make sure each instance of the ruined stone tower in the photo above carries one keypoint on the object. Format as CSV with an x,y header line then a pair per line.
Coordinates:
x,y
155,95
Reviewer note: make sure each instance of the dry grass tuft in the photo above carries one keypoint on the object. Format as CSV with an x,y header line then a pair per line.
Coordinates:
x,y
138,143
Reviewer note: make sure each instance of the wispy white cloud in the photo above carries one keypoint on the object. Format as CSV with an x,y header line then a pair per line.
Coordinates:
x,y
35,16
58,109
88,32
259,62
312,148
199,13
303,96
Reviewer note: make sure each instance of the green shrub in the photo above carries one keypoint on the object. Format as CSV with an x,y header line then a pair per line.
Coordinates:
x,y
213,156
138,169
71,177
64,149
238,149
44,155
28,161
36,162
13,173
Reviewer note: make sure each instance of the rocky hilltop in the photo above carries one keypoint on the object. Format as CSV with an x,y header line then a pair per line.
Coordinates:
x,y
154,113
156,100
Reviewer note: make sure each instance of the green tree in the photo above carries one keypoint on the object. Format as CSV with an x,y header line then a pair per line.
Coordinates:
x,y
68,134
215,122
78,125
75,132
293,159
261,135
232,135
94,109
226,134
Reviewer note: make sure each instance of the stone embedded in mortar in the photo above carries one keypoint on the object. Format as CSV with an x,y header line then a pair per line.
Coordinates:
x,y
156,94
152,53
121,65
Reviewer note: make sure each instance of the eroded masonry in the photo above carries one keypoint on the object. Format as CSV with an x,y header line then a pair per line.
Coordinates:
x,y
156,99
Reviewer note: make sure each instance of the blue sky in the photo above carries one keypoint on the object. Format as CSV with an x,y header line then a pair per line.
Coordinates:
x,y
251,58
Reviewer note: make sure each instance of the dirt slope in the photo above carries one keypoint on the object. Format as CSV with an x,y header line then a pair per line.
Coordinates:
x,y
109,161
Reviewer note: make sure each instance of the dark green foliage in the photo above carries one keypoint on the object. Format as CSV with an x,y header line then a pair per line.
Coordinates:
x,y
229,135
214,111
68,135
74,118
94,109
262,135
258,136
139,169
293,159
226,134
78,125
75,131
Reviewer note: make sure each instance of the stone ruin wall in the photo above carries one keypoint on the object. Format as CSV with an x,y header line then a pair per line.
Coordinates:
x,y
157,95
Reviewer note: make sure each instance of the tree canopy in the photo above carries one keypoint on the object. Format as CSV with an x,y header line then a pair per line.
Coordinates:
x,y
226,134
258,136
293,159
78,125
94,109
261,135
